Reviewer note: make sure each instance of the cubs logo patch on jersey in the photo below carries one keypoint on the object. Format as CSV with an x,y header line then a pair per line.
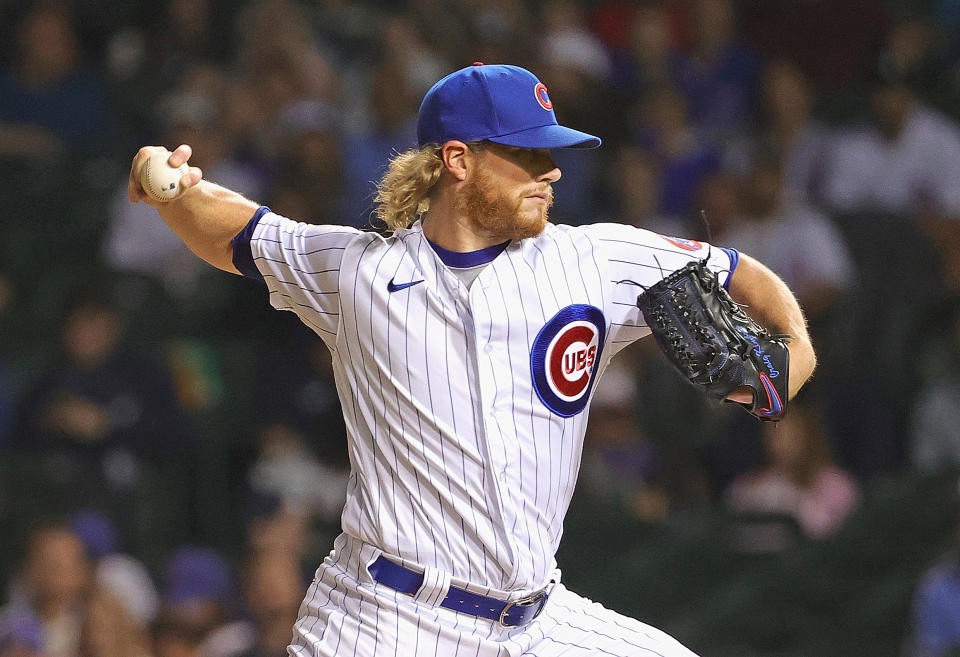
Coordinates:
x,y
564,357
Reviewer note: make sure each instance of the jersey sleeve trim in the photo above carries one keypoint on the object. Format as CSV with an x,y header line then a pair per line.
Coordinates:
x,y
734,256
242,254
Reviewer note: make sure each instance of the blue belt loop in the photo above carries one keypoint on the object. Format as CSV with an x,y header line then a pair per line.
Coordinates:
x,y
508,614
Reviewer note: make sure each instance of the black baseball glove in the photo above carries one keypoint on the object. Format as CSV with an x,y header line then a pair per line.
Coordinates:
x,y
713,343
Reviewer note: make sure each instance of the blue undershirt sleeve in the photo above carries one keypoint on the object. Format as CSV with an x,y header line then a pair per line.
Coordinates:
x,y
242,255
734,256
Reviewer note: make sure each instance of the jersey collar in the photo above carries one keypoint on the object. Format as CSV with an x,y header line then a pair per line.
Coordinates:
x,y
463,260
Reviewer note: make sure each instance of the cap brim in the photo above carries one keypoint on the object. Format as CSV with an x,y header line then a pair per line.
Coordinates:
x,y
548,136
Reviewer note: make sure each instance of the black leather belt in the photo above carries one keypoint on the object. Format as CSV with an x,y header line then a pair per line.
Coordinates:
x,y
509,614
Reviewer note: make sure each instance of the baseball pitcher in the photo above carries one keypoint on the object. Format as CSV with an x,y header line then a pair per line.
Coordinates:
x,y
466,346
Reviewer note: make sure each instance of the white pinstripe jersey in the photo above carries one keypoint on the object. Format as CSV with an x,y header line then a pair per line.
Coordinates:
x,y
465,408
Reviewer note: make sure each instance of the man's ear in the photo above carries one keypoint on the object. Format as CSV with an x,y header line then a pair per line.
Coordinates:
x,y
457,158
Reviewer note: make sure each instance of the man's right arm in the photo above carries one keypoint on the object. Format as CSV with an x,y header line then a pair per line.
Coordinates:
x,y
205,216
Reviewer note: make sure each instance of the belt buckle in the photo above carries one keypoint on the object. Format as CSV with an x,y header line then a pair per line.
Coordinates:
x,y
538,597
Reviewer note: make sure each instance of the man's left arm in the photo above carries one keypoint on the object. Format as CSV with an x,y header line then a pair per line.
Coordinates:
x,y
769,301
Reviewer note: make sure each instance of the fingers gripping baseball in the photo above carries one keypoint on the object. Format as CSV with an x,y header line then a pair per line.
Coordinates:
x,y
159,176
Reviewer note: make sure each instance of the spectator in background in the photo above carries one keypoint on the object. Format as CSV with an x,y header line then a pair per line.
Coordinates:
x,y
795,240
295,386
309,161
134,246
351,30
273,590
306,486
416,60
189,31
720,75
798,486
51,585
201,600
644,62
683,156
279,65
906,161
117,575
935,423
147,59
935,622
294,499
108,630
568,41
633,193
387,108
106,410
391,129
634,188
51,105
788,130
500,29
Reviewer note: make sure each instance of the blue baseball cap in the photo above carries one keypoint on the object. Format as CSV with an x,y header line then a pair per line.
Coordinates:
x,y
504,104
196,573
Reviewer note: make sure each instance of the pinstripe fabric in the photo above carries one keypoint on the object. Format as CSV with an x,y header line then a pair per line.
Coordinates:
x,y
462,459
346,613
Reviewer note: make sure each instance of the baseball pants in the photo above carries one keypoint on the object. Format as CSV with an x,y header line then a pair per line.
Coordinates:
x,y
347,613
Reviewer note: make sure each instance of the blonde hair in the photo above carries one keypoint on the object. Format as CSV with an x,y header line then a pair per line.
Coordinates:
x,y
402,193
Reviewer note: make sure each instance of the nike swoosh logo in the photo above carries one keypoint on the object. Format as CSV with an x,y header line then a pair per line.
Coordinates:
x,y
396,287
774,405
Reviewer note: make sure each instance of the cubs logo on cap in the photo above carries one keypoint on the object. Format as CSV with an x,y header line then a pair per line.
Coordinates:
x,y
499,103
540,90
564,358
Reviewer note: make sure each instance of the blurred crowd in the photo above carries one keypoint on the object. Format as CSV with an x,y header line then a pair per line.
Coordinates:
x,y
179,444
77,592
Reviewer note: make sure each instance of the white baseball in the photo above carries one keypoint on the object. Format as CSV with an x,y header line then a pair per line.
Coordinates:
x,y
160,180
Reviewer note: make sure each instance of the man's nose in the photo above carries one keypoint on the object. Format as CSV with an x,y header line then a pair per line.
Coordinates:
x,y
552,172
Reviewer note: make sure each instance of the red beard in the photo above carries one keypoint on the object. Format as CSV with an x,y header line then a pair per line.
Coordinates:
x,y
494,214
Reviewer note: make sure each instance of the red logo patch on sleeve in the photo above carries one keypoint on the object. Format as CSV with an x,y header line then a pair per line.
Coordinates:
x,y
685,244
